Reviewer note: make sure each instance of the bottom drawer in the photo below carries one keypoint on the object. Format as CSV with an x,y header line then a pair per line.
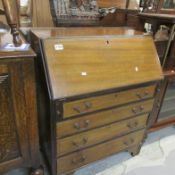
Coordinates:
x,y
80,158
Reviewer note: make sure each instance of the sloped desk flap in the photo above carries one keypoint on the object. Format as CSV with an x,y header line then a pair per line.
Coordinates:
x,y
83,65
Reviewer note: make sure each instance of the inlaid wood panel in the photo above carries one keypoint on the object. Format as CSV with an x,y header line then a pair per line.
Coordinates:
x,y
86,156
105,101
9,148
92,137
91,121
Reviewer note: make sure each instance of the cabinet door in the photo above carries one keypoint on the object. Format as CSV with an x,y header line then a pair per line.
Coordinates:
x,y
13,136
163,113
168,107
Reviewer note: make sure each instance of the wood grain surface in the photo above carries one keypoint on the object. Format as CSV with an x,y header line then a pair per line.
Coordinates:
x,y
83,31
92,137
91,64
91,104
86,156
87,122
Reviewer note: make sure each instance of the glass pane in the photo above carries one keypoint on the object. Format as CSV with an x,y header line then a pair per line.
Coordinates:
x,y
168,108
169,4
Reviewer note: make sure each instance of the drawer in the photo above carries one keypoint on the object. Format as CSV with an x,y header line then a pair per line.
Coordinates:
x,y
105,101
91,121
85,139
80,158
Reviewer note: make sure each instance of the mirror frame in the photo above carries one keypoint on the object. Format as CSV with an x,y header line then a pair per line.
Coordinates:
x,y
163,10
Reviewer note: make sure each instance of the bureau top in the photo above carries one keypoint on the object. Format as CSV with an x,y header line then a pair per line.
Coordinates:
x,y
80,65
81,31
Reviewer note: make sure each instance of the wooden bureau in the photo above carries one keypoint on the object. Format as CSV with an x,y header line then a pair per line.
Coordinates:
x,y
99,92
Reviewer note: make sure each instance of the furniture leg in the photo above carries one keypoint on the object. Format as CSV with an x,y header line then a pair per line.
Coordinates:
x,y
135,150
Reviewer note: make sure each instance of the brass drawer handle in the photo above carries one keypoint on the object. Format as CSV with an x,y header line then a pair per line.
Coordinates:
x,y
138,110
143,96
80,160
77,109
78,127
132,125
129,142
86,106
80,145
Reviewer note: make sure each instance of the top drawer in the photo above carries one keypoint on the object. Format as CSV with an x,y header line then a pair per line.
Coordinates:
x,y
105,101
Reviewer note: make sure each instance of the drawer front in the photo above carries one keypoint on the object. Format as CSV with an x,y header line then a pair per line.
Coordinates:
x,y
85,139
105,101
78,159
91,121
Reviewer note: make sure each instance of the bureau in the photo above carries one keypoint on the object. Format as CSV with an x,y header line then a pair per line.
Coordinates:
x,y
96,96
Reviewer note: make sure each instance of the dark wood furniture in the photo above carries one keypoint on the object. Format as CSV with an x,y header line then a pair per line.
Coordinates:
x,y
40,19
97,101
158,6
19,144
164,112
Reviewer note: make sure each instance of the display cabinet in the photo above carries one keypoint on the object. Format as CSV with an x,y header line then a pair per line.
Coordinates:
x,y
163,114
159,16
168,110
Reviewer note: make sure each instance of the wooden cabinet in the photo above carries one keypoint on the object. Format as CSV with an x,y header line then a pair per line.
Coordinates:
x,y
19,146
9,139
162,13
98,93
163,114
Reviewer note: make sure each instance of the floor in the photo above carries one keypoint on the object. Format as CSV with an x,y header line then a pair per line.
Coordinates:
x,y
157,157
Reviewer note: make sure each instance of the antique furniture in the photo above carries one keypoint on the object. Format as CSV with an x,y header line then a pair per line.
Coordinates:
x,y
93,100
158,6
19,142
19,145
82,13
31,14
164,111
162,14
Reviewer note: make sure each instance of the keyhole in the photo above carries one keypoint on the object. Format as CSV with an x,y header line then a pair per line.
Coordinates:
x,y
107,42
